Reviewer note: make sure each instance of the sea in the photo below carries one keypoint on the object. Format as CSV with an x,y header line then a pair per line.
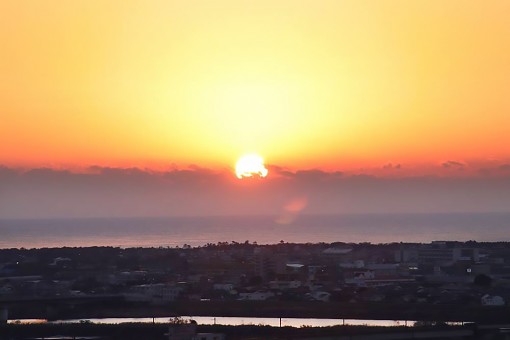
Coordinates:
x,y
199,231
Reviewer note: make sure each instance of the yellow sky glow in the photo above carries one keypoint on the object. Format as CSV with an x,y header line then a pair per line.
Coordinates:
x,y
311,84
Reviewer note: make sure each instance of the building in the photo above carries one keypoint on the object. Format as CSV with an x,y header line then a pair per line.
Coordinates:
x,y
284,285
492,300
256,296
155,293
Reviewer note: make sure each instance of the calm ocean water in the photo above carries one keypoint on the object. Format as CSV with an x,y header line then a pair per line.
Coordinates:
x,y
174,231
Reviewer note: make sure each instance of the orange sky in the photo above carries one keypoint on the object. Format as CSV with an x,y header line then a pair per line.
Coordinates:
x,y
307,84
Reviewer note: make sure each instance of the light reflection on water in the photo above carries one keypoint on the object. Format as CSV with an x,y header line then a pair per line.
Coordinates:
x,y
27,321
237,321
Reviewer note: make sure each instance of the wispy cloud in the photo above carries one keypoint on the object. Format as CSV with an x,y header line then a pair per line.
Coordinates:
x,y
453,164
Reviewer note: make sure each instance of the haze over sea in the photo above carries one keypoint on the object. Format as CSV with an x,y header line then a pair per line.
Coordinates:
x,y
197,231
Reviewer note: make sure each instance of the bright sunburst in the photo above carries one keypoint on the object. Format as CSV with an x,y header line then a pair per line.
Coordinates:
x,y
250,166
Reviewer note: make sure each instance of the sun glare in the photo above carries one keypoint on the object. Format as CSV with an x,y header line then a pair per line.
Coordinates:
x,y
251,166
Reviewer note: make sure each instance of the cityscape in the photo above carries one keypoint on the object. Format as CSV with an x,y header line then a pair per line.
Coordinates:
x,y
440,282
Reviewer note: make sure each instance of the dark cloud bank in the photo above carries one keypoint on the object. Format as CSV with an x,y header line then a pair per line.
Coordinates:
x,y
114,192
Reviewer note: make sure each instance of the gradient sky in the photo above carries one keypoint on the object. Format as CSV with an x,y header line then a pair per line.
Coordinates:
x,y
333,85
141,108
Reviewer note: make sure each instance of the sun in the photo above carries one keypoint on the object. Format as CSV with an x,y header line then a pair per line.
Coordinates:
x,y
251,165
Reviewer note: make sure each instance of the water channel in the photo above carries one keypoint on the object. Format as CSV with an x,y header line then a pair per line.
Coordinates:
x,y
236,321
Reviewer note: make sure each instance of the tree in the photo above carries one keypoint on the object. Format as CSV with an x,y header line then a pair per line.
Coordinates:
x,y
482,280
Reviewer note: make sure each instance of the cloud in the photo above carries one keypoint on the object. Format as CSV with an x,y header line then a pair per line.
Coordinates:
x,y
280,171
6,172
304,175
391,166
116,171
486,172
491,170
196,191
46,173
453,164
317,175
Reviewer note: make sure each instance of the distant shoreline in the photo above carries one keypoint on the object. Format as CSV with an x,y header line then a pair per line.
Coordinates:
x,y
199,231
